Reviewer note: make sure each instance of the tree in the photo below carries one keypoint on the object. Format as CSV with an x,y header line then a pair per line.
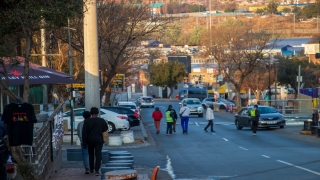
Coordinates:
x,y
196,35
172,33
167,74
286,10
21,20
288,72
237,48
259,11
121,28
258,80
272,7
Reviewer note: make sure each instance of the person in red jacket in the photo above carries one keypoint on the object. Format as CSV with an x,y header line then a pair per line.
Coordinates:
x,y
157,116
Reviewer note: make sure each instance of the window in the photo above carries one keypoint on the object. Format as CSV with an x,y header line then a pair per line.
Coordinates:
x,y
78,112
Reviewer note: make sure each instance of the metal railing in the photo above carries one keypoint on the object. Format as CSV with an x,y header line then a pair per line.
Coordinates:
x,y
45,153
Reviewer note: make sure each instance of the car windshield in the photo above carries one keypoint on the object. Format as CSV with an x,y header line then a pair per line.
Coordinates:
x,y
128,106
193,101
266,110
224,101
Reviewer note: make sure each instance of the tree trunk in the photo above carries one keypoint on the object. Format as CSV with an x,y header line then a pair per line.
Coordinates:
x,y
26,68
104,86
107,101
239,105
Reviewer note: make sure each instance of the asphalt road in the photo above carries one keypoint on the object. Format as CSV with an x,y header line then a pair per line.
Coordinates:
x,y
228,153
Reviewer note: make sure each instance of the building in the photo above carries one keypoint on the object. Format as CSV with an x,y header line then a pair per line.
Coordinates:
x,y
186,60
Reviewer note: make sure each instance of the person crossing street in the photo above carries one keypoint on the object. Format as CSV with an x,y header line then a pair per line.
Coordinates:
x,y
255,114
184,114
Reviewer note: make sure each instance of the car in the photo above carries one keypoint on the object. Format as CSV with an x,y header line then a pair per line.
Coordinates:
x,y
221,103
115,121
194,104
133,116
288,90
145,101
131,105
269,117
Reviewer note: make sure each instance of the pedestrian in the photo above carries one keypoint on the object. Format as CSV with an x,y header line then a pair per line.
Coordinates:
x,y
157,116
255,114
174,117
92,137
4,152
209,117
184,114
169,121
86,115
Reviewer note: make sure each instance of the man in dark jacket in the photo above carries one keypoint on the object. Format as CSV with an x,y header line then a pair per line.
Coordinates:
x,y
4,153
174,116
93,139
255,114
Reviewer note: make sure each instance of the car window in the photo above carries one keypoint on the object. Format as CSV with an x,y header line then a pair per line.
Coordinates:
x,y
126,111
266,110
112,109
102,113
243,111
78,112
128,106
67,114
147,99
209,100
194,101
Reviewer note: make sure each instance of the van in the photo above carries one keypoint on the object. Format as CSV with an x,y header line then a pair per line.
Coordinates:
x,y
199,93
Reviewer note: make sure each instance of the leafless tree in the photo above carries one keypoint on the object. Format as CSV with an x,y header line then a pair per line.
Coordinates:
x,y
238,49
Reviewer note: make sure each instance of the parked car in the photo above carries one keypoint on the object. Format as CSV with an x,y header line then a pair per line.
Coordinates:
x,y
194,104
145,101
221,103
269,117
115,121
288,90
133,116
131,105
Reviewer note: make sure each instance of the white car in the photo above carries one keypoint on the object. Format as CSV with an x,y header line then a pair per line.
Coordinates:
x,y
131,105
115,121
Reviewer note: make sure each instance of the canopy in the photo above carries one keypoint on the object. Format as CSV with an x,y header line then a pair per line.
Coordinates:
x,y
37,75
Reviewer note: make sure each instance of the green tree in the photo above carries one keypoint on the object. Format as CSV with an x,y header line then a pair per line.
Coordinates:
x,y
272,7
167,74
196,35
286,10
172,33
288,72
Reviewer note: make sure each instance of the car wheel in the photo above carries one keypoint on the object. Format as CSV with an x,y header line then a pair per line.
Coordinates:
x,y
282,126
200,115
111,127
237,125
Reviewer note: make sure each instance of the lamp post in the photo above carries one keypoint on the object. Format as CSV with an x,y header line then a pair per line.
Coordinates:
x,y
269,88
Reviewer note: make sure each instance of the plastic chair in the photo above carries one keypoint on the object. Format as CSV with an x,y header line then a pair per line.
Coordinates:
x,y
154,173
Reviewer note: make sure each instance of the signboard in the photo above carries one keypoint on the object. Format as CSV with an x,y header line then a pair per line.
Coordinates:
x,y
75,85
118,83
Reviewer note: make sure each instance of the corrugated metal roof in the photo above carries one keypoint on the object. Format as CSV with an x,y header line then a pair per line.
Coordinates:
x,y
294,42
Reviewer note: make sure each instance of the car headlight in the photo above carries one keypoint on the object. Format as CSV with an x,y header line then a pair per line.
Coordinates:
x,y
200,108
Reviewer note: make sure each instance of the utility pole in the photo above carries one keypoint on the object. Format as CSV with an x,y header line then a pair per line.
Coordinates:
x,y
91,58
299,79
44,63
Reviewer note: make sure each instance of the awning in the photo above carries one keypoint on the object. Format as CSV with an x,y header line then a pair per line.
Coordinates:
x,y
37,75
222,89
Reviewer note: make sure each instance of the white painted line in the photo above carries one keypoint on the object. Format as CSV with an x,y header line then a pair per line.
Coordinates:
x,y
169,168
243,148
197,123
314,172
265,156
213,133
225,139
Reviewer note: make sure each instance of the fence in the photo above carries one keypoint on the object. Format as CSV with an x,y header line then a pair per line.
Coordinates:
x,y
293,106
45,153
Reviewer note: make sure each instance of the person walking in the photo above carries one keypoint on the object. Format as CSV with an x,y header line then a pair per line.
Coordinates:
x,y
184,114
169,121
209,117
4,152
86,115
255,114
92,137
157,116
174,117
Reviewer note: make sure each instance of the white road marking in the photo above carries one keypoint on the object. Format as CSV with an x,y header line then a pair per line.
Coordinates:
x,y
197,123
213,133
225,139
243,148
314,172
169,168
265,156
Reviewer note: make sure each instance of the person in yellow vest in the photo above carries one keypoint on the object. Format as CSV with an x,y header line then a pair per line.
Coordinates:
x,y
169,120
255,114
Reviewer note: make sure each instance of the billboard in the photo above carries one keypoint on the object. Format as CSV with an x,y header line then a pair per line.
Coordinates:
x,y
118,83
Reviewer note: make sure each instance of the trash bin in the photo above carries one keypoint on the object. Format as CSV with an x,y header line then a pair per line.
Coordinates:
x,y
288,109
307,125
